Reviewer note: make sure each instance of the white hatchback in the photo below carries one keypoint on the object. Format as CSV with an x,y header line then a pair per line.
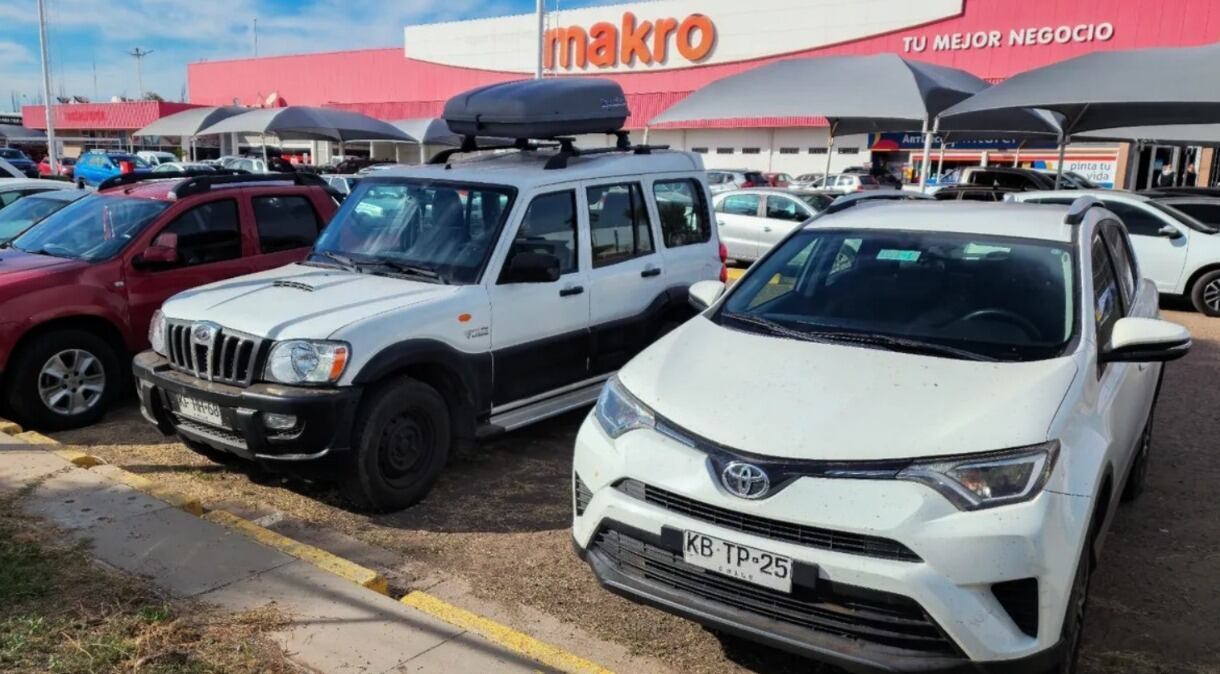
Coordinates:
x,y
894,445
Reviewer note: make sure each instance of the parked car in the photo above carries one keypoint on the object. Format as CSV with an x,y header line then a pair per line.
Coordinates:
x,y
1070,180
804,181
13,190
342,183
1180,254
20,161
724,180
1203,209
354,165
751,221
883,177
1003,176
778,179
78,289
66,166
938,409
444,302
157,157
1181,191
183,166
962,192
31,210
96,166
847,182
853,199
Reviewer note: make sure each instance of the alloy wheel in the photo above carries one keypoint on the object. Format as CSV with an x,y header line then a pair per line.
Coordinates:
x,y
1211,294
71,382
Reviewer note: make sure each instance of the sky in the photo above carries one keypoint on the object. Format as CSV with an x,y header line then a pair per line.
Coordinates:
x,y
95,36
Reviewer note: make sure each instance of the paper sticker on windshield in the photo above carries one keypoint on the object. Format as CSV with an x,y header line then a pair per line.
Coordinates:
x,y
899,255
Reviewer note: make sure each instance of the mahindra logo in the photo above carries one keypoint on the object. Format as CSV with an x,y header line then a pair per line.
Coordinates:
x,y
745,480
204,333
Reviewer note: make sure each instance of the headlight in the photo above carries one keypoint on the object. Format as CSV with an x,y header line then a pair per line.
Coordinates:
x,y
987,480
156,332
618,411
301,361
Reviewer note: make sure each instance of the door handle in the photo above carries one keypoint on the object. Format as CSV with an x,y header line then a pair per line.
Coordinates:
x,y
766,229
571,290
651,271
720,223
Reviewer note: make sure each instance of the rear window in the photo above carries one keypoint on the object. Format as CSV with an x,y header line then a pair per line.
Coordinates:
x,y
868,180
755,177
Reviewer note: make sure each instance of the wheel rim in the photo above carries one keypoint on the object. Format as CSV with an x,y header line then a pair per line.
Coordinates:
x,y
71,382
1211,295
404,446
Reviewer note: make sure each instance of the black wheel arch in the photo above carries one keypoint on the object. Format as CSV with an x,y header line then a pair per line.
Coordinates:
x,y
97,325
1198,274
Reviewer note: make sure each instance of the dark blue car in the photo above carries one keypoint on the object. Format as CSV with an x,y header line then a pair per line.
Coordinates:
x,y
95,166
19,161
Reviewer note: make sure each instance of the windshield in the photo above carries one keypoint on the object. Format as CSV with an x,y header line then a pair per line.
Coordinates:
x,y
92,228
17,218
10,153
937,293
442,229
817,202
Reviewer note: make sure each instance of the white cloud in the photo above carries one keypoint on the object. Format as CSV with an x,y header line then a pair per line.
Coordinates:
x,y
13,53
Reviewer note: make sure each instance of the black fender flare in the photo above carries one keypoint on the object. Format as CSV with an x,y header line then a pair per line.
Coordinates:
x,y
473,371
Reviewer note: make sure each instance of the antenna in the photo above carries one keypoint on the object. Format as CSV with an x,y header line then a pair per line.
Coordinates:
x,y
256,37
139,55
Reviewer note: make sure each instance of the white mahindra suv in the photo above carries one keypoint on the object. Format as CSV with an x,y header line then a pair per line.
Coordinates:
x,y
442,302
1177,252
937,408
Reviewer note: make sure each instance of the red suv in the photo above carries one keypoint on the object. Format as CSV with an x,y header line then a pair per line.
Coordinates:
x,y
78,289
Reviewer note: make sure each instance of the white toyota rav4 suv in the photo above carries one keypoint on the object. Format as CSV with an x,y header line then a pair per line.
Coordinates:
x,y
442,302
894,444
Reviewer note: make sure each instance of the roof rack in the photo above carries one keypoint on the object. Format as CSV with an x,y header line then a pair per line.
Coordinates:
x,y
142,176
1079,208
199,181
567,149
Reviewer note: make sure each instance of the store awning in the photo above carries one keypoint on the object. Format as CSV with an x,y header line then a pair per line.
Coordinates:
x,y
13,133
189,122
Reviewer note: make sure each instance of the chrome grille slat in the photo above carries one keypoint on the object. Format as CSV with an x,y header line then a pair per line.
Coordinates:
x,y
229,358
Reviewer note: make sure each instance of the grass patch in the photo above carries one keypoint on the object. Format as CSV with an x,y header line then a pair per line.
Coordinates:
x,y
62,614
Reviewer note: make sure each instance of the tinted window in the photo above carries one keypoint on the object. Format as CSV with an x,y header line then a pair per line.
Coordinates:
x,y
1124,263
756,178
868,180
549,227
1208,213
20,216
618,223
285,222
1139,222
783,208
976,296
740,204
1107,300
683,211
207,233
817,202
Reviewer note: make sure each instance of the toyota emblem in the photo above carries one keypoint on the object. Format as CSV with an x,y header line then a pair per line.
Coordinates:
x,y
745,480
204,333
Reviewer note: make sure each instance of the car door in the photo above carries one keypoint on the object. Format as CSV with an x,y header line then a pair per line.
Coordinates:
x,y
738,221
783,215
287,226
211,247
540,331
626,276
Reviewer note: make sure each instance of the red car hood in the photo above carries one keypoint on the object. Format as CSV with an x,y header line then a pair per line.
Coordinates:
x,y
16,266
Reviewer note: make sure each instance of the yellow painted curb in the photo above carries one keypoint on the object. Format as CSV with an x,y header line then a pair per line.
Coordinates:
x,y
34,438
189,504
504,636
78,458
9,427
318,557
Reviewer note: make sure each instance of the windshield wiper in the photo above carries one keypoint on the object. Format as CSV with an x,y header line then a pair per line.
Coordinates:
x,y
411,270
344,262
902,344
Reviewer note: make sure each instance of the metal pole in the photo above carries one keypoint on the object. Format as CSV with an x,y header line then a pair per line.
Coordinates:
x,y
1152,167
139,55
52,155
1016,157
927,152
541,10
940,161
830,146
1063,141
256,37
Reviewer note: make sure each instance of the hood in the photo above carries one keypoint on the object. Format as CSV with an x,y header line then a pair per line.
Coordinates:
x,y
299,301
838,402
17,266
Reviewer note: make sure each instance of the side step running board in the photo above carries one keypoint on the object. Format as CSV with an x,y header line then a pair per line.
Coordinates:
x,y
543,409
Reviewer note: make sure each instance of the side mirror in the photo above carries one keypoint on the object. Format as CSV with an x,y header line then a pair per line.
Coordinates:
x,y
1145,340
527,267
704,294
162,252
1169,232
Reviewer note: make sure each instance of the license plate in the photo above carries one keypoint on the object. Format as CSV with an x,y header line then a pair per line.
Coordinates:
x,y
200,410
738,561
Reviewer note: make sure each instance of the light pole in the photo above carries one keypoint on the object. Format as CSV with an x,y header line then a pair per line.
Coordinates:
x,y
541,10
139,55
52,158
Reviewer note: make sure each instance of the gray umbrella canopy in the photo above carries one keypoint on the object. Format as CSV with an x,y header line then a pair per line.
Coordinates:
x,y
305,123
14,133
1169,134
189,122
428,131
1104,90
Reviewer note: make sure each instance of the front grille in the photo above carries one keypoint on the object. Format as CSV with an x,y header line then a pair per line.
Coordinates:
x,y
1020,600
814,537
581,493
830,608
229,357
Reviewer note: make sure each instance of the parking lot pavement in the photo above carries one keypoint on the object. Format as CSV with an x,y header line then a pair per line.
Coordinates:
x,y
493,535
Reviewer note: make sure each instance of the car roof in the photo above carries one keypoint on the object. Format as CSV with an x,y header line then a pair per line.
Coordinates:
x,y
1072,194
1030,221
159,189
525,169
1188,199
9,184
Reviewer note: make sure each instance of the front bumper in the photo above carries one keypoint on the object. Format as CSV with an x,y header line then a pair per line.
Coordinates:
x,y
325,415
945,592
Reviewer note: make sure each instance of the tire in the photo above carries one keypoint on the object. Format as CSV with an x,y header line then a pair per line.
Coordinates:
x,y
80,184
1205,294
1073,621
400,444
1137,479
40,398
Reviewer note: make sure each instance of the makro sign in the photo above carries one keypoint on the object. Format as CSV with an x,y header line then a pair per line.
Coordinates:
x,y
1030,36
630,42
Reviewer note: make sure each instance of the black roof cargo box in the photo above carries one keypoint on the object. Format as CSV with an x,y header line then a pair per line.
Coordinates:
x,y
547,108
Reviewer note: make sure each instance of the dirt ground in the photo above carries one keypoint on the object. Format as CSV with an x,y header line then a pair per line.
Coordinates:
x,y
498,522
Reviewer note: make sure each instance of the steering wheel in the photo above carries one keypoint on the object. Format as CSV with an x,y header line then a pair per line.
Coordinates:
x,y
1004,315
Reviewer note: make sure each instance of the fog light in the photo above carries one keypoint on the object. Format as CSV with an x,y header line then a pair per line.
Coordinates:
x,y
280,422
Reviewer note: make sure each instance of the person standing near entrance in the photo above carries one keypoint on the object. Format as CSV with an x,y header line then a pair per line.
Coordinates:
x,y
1167,177
1189,176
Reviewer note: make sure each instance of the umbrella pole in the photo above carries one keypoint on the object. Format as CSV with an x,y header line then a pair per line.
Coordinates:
x,y
927,152
1063,141
422,158
830,146
940,160
1016,157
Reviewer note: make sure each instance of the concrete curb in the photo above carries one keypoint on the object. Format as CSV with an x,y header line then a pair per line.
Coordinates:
x,y
141,483
318,557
